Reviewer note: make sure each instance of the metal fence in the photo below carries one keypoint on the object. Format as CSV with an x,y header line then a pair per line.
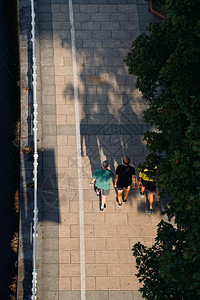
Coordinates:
x,y
35,163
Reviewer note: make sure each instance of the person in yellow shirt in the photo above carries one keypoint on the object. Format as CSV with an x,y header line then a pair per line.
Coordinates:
x,y
146,183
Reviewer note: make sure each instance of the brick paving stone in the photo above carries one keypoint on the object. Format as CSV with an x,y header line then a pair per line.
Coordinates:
x,y
148,230
69,270
95,244
106,257
89,257
50,295
50,257
64,283
94,219
119,269
96,269
50,270
147,241
138,218
69,218
50,243
50,283
105,231
89,283
97,295
64,256
117,295
117,244
137,295
126,257
116,219
68,295
129,231
64,231
107,283
129,283
75,231
50,231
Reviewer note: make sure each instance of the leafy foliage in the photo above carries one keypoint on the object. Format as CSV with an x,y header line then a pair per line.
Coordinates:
x,y
164,268
167,65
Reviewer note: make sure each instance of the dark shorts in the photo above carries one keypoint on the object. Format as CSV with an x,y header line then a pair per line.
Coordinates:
x,y
149,186
121,186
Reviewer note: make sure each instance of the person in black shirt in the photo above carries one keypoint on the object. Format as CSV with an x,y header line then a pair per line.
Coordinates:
x,y
125,175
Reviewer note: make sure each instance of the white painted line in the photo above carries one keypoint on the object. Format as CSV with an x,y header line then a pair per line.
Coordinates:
x,y
78,143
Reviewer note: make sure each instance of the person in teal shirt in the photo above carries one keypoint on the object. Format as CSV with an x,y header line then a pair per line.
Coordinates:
x,y
101,180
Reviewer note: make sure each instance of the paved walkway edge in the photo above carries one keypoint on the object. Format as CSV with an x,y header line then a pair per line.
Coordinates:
x,y
26,159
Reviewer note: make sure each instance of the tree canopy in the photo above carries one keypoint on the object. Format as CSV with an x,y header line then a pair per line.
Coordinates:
x,y
166,62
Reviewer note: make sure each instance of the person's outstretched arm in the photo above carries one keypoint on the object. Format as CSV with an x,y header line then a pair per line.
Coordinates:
x,y
139,183
134,180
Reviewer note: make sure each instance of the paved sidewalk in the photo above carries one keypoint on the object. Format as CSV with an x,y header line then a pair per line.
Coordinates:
x,y
111,125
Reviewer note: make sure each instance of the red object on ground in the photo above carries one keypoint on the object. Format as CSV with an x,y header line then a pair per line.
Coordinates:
x,y
155,12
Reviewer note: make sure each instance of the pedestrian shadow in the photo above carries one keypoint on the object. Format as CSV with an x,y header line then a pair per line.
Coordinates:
x,y
159,205
89,141
50,182
109,130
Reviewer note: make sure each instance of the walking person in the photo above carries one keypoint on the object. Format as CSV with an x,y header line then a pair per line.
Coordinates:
x,y
146,183
125,175
101,180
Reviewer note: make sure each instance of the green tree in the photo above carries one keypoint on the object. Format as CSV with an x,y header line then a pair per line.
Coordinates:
x,y
164,268
167,65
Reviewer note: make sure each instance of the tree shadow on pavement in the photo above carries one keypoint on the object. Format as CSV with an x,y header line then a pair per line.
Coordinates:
x,y
111,108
